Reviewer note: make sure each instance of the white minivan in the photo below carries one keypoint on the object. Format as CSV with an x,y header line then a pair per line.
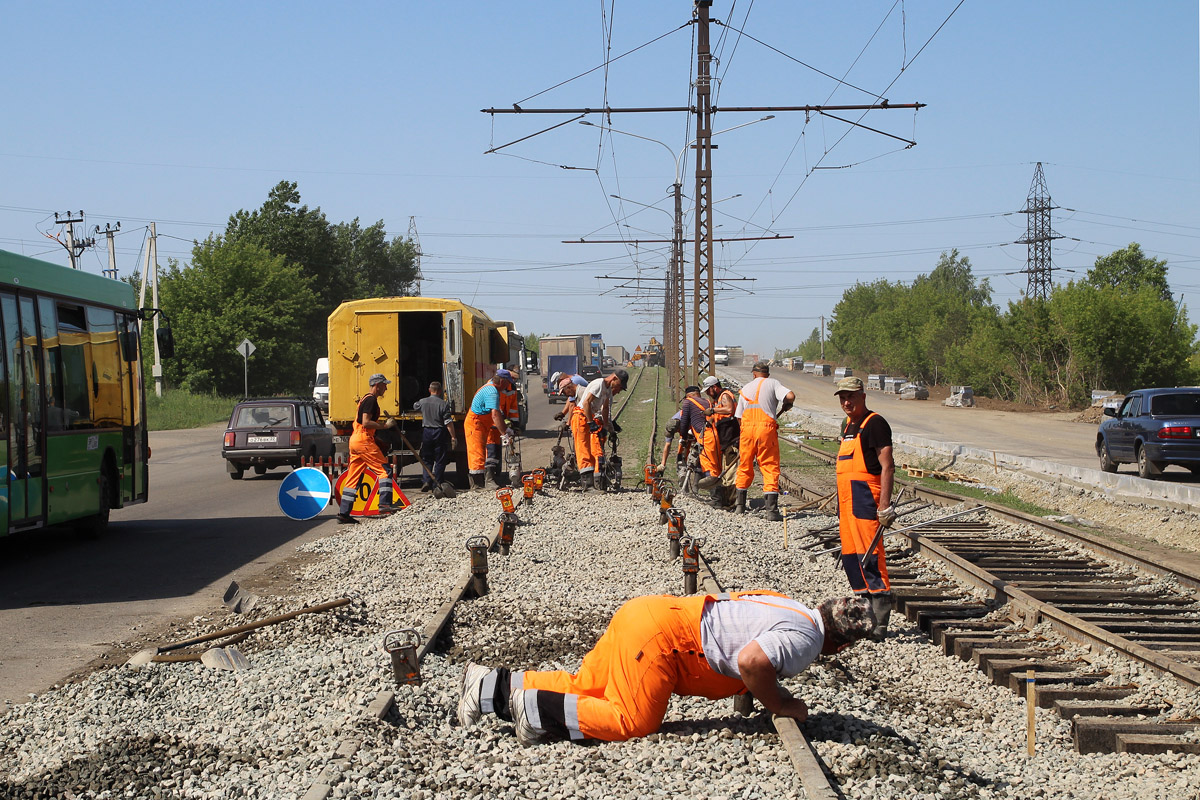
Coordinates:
x,y
721,356
321,385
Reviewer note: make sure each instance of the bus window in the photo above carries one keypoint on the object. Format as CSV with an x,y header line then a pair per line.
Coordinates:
x,y
105,369
68,405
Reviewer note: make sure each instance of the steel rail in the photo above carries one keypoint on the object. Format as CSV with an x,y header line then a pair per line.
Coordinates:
x,y
1028,610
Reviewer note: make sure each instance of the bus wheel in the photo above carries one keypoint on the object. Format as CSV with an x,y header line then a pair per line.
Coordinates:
x,y
91,527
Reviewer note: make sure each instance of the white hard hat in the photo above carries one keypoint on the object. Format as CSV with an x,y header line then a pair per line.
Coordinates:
x,y
554,379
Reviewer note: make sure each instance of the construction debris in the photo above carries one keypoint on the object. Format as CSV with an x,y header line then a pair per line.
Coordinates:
x,y
940,474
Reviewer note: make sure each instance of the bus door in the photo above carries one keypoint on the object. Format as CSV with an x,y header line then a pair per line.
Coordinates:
x,y
26,434
133,442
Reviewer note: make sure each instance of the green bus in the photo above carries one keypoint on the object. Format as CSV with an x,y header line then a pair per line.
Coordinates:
x,y
72,401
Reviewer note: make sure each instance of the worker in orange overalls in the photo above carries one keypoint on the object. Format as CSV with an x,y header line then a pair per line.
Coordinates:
x,y
711,646
723,405
593,415
365,453
760,403
865,471
484,416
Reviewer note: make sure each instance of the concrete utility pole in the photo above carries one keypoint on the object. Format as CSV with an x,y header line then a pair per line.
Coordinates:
x,y
110,232
150,273
822,337
74,247
1038,235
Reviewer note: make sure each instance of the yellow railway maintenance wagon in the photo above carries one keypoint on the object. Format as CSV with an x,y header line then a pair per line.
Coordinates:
x,y
411,341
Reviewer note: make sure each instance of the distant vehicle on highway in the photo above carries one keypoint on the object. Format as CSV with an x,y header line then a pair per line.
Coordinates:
x,y
1152,428
590,372
608,363
274,432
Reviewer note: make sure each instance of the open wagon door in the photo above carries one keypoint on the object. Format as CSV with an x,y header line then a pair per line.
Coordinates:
x,y
452,361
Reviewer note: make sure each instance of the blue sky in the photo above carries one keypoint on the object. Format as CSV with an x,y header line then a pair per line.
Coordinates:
x,y
185,113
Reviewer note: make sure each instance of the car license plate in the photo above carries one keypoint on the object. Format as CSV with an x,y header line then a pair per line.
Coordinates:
x,y
260,440
339,440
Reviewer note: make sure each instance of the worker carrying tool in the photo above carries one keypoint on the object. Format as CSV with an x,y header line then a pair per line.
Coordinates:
x,y
365,453
711,646
485,416
865,472
593,414
759,405
437,436
723,431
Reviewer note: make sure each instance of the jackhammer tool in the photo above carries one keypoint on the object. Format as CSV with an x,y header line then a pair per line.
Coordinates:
x,y
675,530
506,501
690,548
539,480
665,505
528,484
402,646
477,546
512,459
880,533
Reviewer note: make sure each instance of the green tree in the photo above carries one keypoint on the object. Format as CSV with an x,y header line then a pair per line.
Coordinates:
x,y
234,290
1130,270
378,267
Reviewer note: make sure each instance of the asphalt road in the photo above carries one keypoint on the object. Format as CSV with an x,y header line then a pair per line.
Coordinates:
x,y
65,601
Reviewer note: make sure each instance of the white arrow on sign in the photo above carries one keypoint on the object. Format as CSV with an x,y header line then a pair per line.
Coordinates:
x,y
296,491
246,348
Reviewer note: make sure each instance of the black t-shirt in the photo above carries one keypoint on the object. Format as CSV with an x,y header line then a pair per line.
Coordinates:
x,y
874,435
368,405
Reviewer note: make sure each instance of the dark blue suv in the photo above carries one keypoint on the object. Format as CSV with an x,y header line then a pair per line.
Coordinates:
x,y
1153,428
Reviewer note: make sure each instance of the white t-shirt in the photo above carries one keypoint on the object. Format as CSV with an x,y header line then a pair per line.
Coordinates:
x,y
779,625
770,397
597,389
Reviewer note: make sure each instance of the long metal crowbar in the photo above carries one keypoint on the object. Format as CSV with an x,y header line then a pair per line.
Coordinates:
x,y
956,514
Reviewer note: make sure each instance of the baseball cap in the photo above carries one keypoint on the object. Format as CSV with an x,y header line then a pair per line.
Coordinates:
x,y
850,618
624,376
762,366
848,385
377,378
710,381
503,373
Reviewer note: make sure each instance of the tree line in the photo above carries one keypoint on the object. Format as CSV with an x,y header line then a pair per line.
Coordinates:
x,y
1117,328
273,277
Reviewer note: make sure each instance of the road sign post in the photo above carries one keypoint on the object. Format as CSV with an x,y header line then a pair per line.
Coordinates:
x,y
246,348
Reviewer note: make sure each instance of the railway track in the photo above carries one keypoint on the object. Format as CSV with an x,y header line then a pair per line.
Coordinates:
x,y
1010,577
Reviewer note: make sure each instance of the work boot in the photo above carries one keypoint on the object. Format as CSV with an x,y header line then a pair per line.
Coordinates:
x,y
489,478
587,481
882,604
708,482
717,500
740,508
346,519
476,480
771,507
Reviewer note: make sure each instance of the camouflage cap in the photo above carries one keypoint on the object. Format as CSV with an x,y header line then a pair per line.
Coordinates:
x,y
849,618
848,385
762,366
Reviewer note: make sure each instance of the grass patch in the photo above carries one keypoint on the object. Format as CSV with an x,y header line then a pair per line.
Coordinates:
x,y
177,409
637,417
1005,498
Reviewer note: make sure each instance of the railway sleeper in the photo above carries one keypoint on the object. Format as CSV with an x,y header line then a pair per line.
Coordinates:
x,y
1070,709
998,669
1155,744
966,647
941,630
948,639
984,656
1099,734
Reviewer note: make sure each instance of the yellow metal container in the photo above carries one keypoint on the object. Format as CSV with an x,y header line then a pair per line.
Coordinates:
x,y
411,341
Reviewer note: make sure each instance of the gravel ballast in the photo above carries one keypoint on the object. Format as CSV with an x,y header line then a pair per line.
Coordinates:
x,y
891,720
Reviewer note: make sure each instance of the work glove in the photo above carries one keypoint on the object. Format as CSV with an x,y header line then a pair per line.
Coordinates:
x,y
559,416
391,423
616,428
887,516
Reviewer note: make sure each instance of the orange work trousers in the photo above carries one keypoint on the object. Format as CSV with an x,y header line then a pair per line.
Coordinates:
x,y
476,429
759,442
587,444
365,456
650,651
710,457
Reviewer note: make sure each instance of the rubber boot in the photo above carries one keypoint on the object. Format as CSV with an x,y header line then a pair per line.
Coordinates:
x,y
717,500
882,604
587,481
476,480
771,507
489,478
740,508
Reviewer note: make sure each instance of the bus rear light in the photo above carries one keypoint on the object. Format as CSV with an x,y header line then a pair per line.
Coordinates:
x,y
295,438
1176,432
230,438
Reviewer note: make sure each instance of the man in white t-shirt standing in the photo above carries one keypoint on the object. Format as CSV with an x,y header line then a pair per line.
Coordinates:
x,y
593,414
759,405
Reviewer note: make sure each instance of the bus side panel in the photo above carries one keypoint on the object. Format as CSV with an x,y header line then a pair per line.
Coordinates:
x,y
75,461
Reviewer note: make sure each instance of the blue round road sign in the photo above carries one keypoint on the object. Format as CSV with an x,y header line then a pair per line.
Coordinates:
x,y
304,493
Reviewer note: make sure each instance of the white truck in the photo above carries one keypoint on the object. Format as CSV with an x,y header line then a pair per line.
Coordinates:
x,y
320,385
721,356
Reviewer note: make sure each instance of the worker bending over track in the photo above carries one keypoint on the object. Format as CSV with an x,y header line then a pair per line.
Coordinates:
x,y
365,453
760,403
865,471
593,415
711,646
485,416
720,420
